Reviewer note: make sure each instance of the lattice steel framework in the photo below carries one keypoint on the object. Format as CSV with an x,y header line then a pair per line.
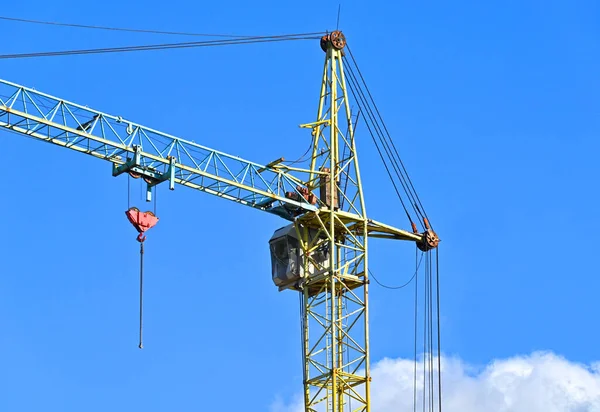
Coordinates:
x,y
335,307
332,224
154,155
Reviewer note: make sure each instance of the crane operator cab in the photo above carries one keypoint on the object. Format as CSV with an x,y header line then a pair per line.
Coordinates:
x,y
287,259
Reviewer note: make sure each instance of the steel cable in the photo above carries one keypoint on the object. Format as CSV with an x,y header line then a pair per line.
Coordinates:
x,y
416,329
123,29
164,46
382,139
354,94
431,372
388,133
439,341
404,284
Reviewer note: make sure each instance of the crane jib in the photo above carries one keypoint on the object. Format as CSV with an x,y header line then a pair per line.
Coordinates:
x,y
147,153
156,156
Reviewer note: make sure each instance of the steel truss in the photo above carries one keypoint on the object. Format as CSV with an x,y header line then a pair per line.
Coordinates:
x,y
154,155
335,326
335,297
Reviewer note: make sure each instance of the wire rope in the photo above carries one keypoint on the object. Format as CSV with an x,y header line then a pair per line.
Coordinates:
x,y
162,46
404,284
354,94
123,29
388,134
439,337
381,136
415,332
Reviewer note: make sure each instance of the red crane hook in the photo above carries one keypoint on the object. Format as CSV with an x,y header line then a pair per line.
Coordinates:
x,y
141,221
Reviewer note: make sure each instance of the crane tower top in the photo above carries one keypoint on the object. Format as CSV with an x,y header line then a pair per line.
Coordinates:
x,y
336,39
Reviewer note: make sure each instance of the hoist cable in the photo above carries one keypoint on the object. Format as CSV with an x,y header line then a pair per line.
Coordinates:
x,y
429,375
301,159
354,94
382,138
416,327
363,99
387,132
404,284
439,338
388,149
165,46
121,29
381,155
128,191
432,381
428,326
431,372
141,346
425,316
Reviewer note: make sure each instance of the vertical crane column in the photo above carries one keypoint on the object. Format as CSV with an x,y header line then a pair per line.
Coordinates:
x,y
334,244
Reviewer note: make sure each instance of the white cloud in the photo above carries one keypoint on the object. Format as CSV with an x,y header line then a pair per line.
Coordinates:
x,y
541,382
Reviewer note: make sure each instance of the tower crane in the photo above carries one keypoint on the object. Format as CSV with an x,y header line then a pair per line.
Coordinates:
x,y
322,253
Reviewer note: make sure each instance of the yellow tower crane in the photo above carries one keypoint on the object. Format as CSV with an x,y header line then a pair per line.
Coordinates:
x,y
322,253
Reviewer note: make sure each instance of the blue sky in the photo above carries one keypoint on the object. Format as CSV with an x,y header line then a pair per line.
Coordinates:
x,y
493,105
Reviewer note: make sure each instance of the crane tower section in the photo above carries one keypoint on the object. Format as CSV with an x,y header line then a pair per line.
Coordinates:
x,y
335,316
323,254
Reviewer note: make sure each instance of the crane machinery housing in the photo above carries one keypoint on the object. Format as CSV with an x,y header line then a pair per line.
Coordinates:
x,y
322,253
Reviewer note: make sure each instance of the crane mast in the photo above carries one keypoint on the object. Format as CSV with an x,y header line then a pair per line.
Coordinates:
x,y
322,254
335,298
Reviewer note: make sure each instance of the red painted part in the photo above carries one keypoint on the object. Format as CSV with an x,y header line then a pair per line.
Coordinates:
x,y
142,221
